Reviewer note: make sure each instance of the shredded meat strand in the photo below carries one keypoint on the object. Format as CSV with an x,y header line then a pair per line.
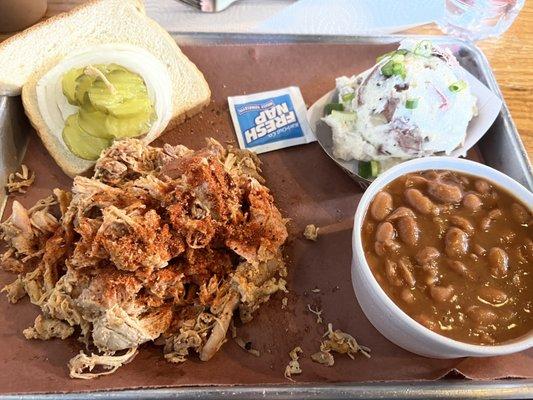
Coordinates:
x,y
20,181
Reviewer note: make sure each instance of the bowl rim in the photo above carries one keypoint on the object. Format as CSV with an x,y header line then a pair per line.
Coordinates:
x,y
359,259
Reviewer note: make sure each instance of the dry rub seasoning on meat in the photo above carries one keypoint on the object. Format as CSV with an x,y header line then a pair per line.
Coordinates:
x,y
164,243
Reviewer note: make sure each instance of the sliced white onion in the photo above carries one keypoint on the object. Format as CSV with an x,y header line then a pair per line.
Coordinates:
x,y
53,104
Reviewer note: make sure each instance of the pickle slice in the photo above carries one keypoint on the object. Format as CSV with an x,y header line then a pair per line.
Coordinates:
x,y
128,127
81,143
102,98
93,123
132,107
84,84
69,84
130,95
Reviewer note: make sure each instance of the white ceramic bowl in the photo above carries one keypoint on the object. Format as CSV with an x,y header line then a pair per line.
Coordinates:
x,y
386,316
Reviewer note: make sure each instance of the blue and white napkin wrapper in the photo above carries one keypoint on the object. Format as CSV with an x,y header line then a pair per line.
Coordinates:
x,y
270,120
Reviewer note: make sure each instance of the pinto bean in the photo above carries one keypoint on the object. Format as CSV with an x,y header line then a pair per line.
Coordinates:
x,y
380,249
464,180
492,295
481,315
460,268
405,267
507,236
413,180
441,294
441,224
472,202
456,242
391,270
432,274
401,212
482,186
407,296
492,215
445,192
419,201
389,246
381,206
385,232
462,223
520,213
427,255
498,261
479,250
408,231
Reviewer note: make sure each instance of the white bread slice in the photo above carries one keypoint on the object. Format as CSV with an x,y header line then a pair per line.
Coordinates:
x,y
26,57
26,52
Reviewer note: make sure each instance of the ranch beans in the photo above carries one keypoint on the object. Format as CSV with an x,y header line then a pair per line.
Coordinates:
x,y
391,270
385,232
520,213
472,202
492,295
444,192
407,296
432,274
418,201
481,186
454,252
482,315
405,267
401,212
441,294
408,230
491,216
381,206
456,242
427,255
383,248
499,261
460,268
479,250
463,223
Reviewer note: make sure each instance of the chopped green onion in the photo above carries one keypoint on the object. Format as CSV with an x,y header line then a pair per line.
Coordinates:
x,y
401,52
457,86
394,68
398,57
423,48
344,116
348,97
411,104
369,169
333,106
387,68
399,69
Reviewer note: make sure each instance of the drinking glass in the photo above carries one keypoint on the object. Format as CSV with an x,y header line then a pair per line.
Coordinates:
x,y
479,19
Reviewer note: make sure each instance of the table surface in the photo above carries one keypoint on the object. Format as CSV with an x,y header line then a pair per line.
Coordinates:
x,y
510,55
